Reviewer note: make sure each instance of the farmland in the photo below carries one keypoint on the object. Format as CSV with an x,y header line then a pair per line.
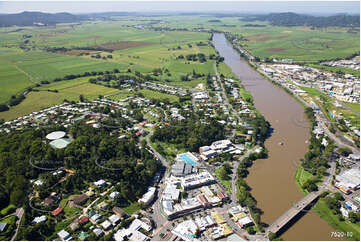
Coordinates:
x,y
120,44
130,48
21,70
69,90
298,43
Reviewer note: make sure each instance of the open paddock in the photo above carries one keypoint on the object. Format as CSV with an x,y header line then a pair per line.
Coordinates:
x,y
36,101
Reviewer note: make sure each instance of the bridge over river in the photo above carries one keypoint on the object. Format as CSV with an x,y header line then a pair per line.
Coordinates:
x,y
292,212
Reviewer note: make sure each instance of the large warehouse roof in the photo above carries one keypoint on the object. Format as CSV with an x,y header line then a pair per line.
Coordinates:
x,y
55,135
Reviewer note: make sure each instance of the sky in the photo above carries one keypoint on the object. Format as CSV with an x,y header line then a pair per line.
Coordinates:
x,y
308,7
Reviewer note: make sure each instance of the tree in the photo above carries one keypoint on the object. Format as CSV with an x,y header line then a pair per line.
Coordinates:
x,y
250,230
272,236
344,151
354,217
3,107
81,98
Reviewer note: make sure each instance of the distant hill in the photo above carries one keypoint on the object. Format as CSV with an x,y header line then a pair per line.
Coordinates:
x,y
293,19
38,18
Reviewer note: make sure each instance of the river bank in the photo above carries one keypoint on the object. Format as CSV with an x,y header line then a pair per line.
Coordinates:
x,y
272,180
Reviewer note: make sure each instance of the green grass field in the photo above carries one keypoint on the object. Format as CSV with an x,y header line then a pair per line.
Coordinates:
x,y
299,43
150,94
132,208
20,70
354,106
331,219
335,69
301,177
226,183
36,101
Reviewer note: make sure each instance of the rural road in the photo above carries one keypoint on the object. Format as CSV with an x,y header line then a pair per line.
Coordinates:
x,y
19,214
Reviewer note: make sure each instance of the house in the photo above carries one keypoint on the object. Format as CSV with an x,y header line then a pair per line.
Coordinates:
x,y
119,212
97,232
57,211
74,226
64,235
49,201
83,220
39,219
103,205
222,196
114,219
106,225
79,200
3,226
100,183
113,195
39,182
95,217
91,213
83,235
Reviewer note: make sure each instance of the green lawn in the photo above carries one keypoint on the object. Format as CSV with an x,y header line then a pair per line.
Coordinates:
x,y
132,208
7,210
185,84
301,177
354,106
331,219
150,94
226,183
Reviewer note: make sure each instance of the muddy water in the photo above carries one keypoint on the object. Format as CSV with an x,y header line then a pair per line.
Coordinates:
x,y
272,179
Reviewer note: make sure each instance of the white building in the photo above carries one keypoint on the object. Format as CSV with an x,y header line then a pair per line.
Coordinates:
x,y
148,196
127,234
186,230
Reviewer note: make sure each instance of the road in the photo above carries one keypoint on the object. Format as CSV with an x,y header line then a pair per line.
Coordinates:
x,y
85,210
157,215
234,174
322,123
347,107
19,214
224,93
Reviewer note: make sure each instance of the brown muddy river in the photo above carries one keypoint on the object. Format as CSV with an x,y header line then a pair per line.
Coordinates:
x,y
272,179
